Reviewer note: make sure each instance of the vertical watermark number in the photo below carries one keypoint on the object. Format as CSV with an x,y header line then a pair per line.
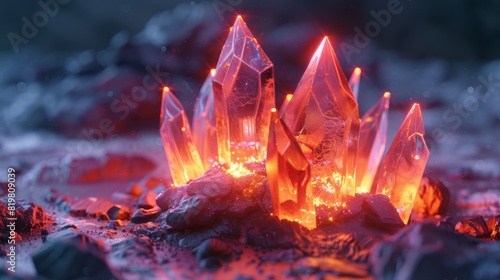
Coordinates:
x,y
11,219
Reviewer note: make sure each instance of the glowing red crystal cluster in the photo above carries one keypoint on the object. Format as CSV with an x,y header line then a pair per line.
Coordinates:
x,y
316,148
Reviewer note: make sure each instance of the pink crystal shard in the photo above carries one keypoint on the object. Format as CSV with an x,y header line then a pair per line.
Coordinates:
x,y
323,114
289,173
354,82
244,95
372,140
401,170
183,159
204,133
288,97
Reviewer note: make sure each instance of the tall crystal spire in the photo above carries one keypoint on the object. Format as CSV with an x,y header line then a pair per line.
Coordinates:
x,y
372,140
354,81
323,114
183,159
401,170
204,132
244,95
289,174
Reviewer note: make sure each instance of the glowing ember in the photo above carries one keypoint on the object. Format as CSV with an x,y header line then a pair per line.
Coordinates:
x,y
289,173
244,95
204,132
354,82
372,140
401,170
183,159
323,115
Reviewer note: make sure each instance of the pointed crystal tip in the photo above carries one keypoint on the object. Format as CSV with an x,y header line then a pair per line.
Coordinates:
x,y
212,72
387,94
357,71
166,89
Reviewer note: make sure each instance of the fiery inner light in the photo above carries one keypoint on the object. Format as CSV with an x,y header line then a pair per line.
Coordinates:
x,y
316,149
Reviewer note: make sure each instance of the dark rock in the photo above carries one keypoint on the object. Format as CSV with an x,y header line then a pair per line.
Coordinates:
x,y
313,266
494,227
99,207
29,216
213,248
473,226
77,257
211,263
170,197
115,224
136,247
214,183
145,215
147,200
433,198
378,212
118,212
61,235
262,229
78,207
44,232
189,212
424,251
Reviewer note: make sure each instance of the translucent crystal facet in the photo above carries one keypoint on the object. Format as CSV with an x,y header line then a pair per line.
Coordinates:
x,y
289,175
244,95
372,140
183,159
354,82
288,97
401,170
204,131
324,117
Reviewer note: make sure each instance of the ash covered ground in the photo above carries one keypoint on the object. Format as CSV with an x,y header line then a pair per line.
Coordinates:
x,y
79,120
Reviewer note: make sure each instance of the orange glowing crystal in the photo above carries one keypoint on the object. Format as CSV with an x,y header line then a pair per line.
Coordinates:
x,y
289,174
354,82
372,140
183,159
244,96
401,170
323,115
204,132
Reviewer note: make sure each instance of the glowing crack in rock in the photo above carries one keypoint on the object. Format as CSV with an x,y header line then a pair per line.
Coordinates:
x,y
323,115
289,174
244,95
401,170
204,131
183,159
354,82
372,140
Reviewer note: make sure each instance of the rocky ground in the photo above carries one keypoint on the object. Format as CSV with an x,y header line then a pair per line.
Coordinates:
x,y
97,215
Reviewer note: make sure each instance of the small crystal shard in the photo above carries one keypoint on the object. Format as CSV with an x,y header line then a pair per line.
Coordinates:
x,y
244,95
183,159
372,140
204,132
289,175
324,117
354,81
401,170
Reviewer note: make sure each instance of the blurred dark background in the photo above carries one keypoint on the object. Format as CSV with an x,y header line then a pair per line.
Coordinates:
x,y
87,69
